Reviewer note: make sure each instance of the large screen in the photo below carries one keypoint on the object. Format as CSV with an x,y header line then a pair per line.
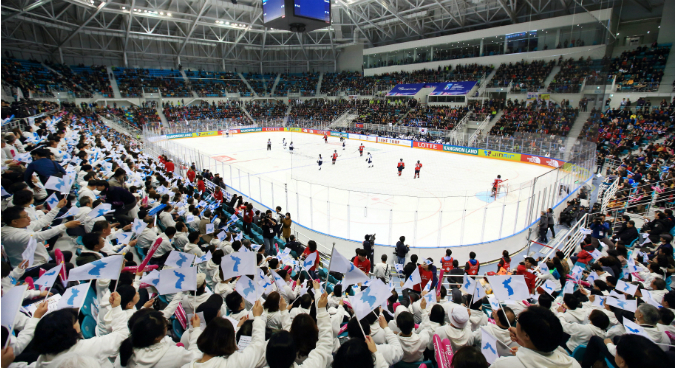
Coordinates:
x,y
272,9
313,9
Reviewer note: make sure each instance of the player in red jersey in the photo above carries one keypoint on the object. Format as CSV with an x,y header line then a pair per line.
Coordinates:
x,y
400,167
361,149
495,185
418,167
325,138
334,157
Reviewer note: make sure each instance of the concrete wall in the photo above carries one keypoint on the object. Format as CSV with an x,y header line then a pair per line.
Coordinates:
x,y
667,30
350,59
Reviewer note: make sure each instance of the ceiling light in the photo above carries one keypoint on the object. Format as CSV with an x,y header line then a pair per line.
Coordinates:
x,y
168,14
161,13
124,8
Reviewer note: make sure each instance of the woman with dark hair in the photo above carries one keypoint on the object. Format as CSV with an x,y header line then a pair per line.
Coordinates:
x,y
288,293
311,249
276,309
305,334
359,353
218,346
504,265
147,345
335,297
59,332
285,351
469,357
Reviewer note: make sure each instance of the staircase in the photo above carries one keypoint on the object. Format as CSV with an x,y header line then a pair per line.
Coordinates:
x,y
575,130
288,112
668,73
486,82
493,122
248,85
58,73
318,85
339,122
187,81
113,83
162,117
243,108
274,86
551,76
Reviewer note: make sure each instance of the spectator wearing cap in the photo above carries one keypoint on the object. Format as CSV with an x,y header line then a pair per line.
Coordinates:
x,y
458,329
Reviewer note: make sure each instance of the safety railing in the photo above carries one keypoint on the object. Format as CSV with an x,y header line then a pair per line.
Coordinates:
x,y
479,131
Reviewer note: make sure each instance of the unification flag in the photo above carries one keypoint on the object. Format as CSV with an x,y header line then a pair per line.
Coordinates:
x,y
488,346
47,279
369,299
73,297
247,289
237,264
413,280
174,280
104,268
178,259
512,287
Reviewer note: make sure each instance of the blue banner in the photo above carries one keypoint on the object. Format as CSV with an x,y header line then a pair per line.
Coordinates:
x,y
406,89
452,88
440,89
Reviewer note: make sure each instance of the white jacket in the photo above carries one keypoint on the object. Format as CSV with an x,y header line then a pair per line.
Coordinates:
x,y
477,319
392,352
247,358
15,240
501,334
164,354
526,358
279,320
167,219
97,347
458,337
580,334
657,335
578,315
381,270
413,347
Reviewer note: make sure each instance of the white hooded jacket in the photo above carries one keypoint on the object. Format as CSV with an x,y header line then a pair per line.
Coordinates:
x,y
526,358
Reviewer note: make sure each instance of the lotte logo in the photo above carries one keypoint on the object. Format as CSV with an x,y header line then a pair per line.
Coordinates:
x,y
427,145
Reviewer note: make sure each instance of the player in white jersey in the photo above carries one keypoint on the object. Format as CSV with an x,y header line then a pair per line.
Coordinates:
x,y
369,160
269,144
320,161
290,147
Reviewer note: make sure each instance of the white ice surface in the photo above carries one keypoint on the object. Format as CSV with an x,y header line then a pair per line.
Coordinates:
x,y
446,206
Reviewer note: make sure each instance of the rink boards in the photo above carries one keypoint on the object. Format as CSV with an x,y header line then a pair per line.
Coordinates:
x,y
491,154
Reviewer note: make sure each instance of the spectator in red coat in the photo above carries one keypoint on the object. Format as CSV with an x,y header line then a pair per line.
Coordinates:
x,y
530,278
582,257
248,219
428,274
201,187
311,248
169,166
191,174
361,262
218,195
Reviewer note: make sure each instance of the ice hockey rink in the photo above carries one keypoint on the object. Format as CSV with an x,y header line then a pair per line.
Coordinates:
x,y
349,199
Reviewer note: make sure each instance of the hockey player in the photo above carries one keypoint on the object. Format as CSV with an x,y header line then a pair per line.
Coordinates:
x,y
269,144
325,138
343,145
334,157
284,143
418,167
400,167
320,161
290,147
369,160
495,185
227,134
361,149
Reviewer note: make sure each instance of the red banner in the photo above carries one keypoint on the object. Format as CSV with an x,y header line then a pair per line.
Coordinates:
x,y
232,131
358,125
432,146
273,129
315,131
545,161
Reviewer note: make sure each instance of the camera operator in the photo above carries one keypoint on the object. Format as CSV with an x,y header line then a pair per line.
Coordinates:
x,y
268,228
368,248
600,229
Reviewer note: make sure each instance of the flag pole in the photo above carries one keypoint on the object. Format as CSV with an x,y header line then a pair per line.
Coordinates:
x,y
50,288
117,282
330,263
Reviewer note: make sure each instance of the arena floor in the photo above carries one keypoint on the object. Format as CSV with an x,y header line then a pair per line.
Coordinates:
x,y
349,199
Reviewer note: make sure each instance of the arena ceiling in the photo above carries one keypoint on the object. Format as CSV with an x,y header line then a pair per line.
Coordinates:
x,y
233,31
